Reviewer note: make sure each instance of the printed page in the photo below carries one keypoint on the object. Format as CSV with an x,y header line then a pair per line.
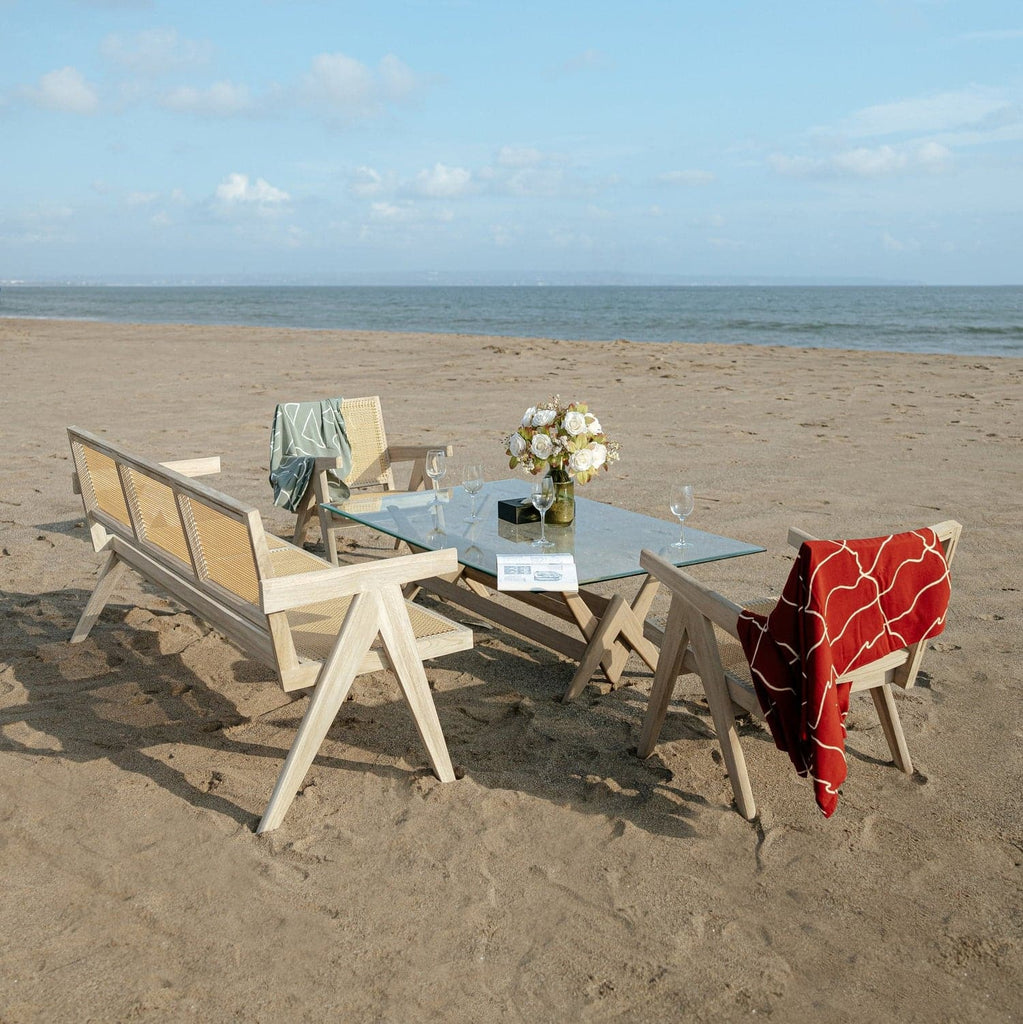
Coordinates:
x,y
537,572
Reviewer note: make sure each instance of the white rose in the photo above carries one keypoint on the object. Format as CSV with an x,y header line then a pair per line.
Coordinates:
x,y
527,420
581,461
598,452
594,426
543,417
517,445
541,446
575,423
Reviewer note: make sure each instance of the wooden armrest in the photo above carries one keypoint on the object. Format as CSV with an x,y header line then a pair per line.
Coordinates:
x,y
796,537
278,595
708,602
194,467
410,452
327,462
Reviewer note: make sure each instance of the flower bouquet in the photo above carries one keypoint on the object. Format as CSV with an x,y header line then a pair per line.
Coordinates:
x,y
566,441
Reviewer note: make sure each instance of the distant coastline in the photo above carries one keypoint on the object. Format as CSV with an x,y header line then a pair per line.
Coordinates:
x,y
894,318
464,279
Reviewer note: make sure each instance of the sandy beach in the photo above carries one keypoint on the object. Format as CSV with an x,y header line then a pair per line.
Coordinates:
x,y
561,878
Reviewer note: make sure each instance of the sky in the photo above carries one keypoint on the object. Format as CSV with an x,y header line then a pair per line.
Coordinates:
x,y
324,140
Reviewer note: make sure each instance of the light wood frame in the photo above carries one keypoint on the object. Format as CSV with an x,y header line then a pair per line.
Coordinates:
x,y
698,620
211,554
372,469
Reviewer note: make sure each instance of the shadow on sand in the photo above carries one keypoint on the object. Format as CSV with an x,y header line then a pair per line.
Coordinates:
x,y
128,695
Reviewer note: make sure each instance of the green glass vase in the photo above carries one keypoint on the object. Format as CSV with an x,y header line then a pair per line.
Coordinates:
x,y
562,512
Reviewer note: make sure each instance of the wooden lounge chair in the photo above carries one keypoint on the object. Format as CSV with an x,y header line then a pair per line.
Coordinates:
x,y
372,462
316,626
701,637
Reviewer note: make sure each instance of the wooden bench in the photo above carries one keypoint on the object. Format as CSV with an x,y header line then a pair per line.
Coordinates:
x,y
315,625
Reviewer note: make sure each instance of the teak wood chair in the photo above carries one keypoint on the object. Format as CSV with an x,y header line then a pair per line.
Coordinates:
x,y
701,637
372,469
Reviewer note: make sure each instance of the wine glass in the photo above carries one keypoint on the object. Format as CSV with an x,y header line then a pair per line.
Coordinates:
x,y
472,481
681,502
436,469
542,498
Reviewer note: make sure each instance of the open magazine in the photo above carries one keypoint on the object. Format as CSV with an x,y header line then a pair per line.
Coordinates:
x,y
537,572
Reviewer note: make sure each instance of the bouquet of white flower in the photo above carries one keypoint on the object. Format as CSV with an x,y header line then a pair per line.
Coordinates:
x,y
566,440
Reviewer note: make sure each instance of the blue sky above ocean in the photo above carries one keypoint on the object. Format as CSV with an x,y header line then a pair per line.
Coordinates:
x,y
311,140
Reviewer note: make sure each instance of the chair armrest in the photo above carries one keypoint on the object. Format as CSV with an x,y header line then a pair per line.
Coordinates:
x,y
194,467
708,602
327,462
417,455
796,537
410,452
282,593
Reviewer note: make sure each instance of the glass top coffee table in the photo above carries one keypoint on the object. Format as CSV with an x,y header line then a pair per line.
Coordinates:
x,y
604,540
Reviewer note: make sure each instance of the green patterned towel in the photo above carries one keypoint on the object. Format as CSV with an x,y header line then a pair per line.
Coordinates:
x,y
302,432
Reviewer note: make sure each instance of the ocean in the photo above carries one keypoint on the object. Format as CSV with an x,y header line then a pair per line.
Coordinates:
x,y
956,321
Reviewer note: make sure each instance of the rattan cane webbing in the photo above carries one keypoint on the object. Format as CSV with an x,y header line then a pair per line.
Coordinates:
x,y
289,560
315,627
158,515
101,471
733,657
364,425
226,550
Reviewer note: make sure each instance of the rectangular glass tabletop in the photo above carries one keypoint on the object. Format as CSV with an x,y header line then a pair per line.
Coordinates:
x,y
605,540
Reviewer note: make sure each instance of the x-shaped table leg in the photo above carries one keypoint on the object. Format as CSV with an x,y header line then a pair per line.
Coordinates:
x,y
612,636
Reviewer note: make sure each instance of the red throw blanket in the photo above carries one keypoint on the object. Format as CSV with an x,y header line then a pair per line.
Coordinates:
x,y
846,604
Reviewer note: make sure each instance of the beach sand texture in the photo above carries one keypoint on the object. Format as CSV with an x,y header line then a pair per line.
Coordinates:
x,y
561,879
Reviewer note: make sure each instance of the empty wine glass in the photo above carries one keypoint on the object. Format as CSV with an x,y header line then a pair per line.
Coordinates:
x,y
436,468
542,498
681,502
472,481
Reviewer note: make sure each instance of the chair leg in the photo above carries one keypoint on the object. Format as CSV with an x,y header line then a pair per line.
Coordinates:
x,y
884,703
301,526
109,576
400,643
712,675
328,533
669,666
332,685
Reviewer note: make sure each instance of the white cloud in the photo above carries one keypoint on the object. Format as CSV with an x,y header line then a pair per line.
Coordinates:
x,y
390,211
156,51
368,182
518,156
504,235
965,108
398,81
408,212
689,178
236,188
866,162
222,99
43,224
141,198
346,88
442,182
65,89
891,244
535,181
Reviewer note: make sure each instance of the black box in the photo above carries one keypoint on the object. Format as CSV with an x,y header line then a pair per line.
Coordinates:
x,y
517,510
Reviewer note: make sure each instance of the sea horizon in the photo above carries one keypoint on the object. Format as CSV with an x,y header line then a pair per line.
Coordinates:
x,y
939,319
